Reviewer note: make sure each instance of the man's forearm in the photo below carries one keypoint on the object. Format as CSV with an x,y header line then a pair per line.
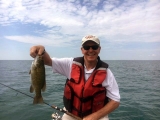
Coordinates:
x,y
108,108
47,59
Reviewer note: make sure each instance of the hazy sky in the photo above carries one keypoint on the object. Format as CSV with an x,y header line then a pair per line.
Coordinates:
x,y
127,29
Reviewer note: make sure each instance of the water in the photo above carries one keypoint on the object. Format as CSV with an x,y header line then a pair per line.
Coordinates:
x,y
139,84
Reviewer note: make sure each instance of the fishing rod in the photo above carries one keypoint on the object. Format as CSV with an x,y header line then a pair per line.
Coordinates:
x,y
52,106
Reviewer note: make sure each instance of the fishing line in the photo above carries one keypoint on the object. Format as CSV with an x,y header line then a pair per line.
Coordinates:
x,y
17,90
52,106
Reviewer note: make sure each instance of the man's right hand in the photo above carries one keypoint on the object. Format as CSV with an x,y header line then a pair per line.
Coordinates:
x,y
36,50
40,50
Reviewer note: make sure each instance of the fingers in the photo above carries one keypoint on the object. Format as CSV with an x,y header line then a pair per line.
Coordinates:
x,y
36,50
33,51
41,50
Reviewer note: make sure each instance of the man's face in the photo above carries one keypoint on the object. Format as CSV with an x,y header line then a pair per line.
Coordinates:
x,y
90,55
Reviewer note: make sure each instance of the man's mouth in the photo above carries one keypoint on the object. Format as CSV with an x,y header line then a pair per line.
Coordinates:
x,y
91,54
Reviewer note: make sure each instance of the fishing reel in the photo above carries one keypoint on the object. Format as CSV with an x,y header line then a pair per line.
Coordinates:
x,y
56,116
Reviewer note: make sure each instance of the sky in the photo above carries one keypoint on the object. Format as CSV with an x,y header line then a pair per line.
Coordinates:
x,y
127,29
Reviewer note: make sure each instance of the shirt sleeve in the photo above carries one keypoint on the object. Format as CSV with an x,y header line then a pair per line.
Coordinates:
x,y
111,86
62,66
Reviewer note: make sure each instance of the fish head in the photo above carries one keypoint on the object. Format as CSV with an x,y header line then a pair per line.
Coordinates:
x,y
38,61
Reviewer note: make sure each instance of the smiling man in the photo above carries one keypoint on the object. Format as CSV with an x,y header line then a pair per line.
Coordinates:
x,y
91,91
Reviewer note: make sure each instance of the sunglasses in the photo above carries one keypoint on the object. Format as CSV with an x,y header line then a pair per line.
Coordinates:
x,y
94,47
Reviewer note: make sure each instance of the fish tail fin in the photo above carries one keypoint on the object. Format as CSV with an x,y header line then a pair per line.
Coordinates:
x,y
31,89
37,100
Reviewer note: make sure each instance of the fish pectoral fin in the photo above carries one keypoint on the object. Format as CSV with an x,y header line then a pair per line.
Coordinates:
x,y
31,89
44,86
30,72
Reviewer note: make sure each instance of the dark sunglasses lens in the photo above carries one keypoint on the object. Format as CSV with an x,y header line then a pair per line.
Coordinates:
x,y
86,47
94,47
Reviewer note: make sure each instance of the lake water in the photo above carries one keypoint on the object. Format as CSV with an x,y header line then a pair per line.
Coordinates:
x,y
139,84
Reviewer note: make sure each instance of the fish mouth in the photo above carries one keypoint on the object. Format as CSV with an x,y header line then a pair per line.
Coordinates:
x,y
35,63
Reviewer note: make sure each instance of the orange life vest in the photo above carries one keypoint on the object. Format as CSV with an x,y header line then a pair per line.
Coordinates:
x,y
83,97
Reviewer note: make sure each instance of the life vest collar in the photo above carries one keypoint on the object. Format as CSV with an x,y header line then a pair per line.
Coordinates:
x,y
78,67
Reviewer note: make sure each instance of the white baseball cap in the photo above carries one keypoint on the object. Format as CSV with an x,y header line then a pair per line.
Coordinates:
x,y
90,38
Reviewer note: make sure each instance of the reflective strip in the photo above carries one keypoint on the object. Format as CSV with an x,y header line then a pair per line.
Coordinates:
x,y
102,69
77,63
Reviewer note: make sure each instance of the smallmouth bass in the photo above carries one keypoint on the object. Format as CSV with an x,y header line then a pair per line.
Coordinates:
x,y
38,80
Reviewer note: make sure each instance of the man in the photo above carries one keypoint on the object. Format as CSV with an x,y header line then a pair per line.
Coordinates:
x,y
91,91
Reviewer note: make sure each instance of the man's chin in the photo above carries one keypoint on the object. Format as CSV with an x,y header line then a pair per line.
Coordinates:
x,y
91,59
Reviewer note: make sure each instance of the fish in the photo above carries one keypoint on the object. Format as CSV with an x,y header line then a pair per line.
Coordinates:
x,y
38,79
